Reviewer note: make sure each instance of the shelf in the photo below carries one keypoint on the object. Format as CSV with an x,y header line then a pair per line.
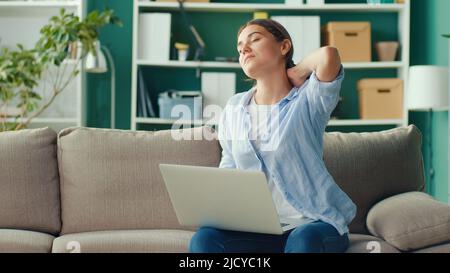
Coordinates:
x,y
31,4
35,8
191,64
199,64
343,122
437,109
242,7
46,120
364,122
167,121
374,65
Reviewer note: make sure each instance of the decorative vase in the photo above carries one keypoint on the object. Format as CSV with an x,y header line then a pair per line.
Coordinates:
x,y
387,51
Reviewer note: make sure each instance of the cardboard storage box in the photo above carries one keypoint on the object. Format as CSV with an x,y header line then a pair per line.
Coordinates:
x,y
380,98
352,39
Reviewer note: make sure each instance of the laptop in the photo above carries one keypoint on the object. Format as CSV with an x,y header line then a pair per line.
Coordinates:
x,y
229,199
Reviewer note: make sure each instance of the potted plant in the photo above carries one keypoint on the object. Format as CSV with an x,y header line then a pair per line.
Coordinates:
x,y
21,70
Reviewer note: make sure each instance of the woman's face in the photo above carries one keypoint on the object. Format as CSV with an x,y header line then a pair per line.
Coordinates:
x,y
259,52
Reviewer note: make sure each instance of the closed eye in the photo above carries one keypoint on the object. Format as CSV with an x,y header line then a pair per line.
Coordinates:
x,y
254,40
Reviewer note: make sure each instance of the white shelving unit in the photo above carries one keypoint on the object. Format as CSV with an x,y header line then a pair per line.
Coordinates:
x,y
20,22
402,67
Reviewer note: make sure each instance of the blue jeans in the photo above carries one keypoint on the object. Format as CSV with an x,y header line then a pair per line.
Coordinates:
x,y
315,237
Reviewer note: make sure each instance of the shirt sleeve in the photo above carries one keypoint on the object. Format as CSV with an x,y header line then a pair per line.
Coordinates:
x,y
323,97
227,160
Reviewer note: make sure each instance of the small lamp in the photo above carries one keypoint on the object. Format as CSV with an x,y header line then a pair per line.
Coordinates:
x,y
428,88
428,91
96,63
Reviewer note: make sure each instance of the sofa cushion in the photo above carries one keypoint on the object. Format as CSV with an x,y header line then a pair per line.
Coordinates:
x,y
24,241
123,241
442,248
29,184
110,179
370,167
362,243
410,221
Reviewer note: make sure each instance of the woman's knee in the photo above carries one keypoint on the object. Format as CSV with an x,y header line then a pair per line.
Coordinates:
x,y
304,239
206,240
316,238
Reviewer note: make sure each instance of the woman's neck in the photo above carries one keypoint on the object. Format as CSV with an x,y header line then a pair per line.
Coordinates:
x,y
272,87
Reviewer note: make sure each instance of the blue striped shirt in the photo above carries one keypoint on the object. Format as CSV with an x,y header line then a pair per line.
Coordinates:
x,y
291,152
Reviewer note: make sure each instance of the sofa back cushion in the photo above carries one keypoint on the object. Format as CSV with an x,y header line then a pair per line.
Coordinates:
x,y
370,167
110,179
29,182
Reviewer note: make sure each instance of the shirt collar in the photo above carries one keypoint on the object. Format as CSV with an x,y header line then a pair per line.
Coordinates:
x,y
245,100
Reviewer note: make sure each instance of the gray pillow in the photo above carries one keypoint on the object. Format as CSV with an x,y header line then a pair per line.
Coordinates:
x,y
410,221
110,179
373,166
29,181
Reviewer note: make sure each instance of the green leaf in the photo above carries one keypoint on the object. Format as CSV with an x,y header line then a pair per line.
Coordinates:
x,y
34,95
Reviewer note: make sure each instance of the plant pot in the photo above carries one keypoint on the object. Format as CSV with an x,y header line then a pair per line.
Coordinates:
x,y
387,51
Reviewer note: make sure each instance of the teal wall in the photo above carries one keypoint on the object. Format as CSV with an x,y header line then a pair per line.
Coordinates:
x,y
119,42
428,21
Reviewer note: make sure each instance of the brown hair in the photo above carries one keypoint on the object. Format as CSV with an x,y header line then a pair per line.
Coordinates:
x,y
279,33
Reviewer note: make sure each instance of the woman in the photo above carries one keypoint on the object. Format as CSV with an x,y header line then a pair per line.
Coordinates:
x,y
277,127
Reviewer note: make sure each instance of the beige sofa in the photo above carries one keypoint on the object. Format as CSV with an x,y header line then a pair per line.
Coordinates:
x,y
99,190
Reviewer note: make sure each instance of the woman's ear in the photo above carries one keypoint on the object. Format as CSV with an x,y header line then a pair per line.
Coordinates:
x,y
286,46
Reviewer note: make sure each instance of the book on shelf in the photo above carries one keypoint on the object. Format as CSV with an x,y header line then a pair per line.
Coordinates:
x,y
144,106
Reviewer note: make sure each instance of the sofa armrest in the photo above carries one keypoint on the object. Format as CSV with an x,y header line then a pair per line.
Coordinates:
x,y
410,221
